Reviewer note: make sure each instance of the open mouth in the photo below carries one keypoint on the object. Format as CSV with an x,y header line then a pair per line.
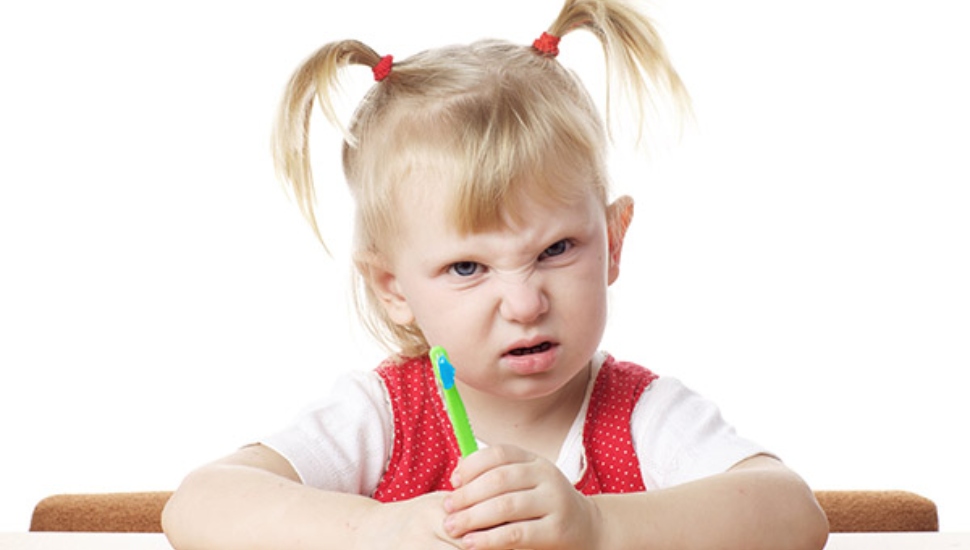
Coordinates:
x,y
518,352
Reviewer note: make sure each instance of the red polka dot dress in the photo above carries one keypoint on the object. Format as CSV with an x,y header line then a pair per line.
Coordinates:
x,y
425,451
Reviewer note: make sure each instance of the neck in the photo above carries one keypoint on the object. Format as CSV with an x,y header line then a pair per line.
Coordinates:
x,y
538,425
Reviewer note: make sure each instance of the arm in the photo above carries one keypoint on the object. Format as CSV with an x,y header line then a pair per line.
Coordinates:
x,y
509,498
253,499
759,503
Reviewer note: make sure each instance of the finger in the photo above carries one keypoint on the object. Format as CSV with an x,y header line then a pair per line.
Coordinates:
x,y
523,534
505,478
484,460
540,533
504,509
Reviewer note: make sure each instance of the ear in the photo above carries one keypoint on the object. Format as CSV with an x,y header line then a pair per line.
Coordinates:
x,y
619,214
384,285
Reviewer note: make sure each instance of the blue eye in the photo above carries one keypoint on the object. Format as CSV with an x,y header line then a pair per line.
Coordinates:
x,y
559,247
465,269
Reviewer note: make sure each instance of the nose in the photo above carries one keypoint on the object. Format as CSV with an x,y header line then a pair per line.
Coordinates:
x,y
523,299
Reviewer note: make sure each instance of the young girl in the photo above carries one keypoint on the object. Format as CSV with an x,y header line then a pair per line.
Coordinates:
x,y
483,225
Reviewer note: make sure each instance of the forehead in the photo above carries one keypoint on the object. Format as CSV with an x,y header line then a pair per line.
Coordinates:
x,y
428,218
483,193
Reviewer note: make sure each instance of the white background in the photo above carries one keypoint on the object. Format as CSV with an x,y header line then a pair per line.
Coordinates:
x,y
802,256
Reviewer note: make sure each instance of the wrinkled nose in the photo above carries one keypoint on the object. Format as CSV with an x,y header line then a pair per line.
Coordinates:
x,y
523,300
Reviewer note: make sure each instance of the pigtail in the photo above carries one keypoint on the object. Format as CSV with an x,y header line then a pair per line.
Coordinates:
x,y
315,80
635,55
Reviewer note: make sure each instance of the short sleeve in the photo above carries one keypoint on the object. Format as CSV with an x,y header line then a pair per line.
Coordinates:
x,y
342,443
680,436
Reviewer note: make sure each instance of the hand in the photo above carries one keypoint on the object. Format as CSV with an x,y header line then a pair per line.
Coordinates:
x,y
410,524
506,497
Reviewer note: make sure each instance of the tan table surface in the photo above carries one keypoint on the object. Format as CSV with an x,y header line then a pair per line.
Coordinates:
x,y
83,541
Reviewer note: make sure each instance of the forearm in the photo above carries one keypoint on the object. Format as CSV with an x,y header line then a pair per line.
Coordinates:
x,y
242,507
746,508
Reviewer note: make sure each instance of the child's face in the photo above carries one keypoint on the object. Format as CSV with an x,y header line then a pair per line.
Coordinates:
x,y
521,308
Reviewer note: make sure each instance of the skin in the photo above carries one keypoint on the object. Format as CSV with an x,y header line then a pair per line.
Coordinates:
x,y
538,283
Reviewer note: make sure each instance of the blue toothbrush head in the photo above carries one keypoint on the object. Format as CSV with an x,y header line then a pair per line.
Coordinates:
x,y
447,372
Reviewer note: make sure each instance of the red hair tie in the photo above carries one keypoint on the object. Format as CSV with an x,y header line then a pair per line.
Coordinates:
x,y
547,44
383,67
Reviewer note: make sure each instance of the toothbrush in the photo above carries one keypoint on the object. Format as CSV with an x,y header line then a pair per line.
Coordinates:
x,y
444,373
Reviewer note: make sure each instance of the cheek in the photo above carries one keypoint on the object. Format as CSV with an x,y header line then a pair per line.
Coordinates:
x,y
441,315
590,278
584,295
454,330
586,316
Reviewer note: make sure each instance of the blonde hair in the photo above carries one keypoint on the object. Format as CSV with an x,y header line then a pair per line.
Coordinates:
x,y
494,118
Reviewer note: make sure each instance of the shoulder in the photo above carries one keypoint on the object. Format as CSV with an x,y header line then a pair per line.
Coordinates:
x,y
625,371
619,381
350,430
681,435
400,370
407,382
358,398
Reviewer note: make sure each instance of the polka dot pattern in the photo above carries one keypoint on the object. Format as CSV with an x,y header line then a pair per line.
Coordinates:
x,y
612,465
425,450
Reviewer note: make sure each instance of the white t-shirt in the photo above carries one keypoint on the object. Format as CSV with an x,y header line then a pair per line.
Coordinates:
x,y
344,442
